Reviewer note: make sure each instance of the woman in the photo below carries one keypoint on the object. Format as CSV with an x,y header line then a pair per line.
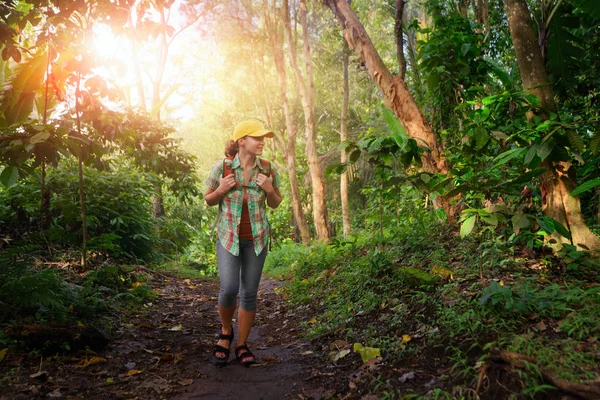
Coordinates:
x,y
240,185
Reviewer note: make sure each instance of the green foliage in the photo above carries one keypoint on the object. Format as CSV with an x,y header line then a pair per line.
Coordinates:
x,y
118,210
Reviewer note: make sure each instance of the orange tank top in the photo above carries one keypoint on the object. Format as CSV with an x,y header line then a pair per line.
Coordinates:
x,y
245,228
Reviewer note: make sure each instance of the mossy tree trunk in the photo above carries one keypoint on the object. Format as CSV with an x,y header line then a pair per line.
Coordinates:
x,y
560,176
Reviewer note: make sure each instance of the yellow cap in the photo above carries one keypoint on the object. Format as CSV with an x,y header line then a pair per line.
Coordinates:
x,y
250,128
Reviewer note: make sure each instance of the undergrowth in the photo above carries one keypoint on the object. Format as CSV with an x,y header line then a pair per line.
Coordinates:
x,y
468,300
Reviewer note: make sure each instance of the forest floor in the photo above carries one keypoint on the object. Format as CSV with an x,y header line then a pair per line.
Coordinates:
x,y
164,351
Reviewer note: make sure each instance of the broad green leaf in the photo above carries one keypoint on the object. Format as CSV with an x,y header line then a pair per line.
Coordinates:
x,y
457,190
39,137
467,226
394,124
595,144
9,176
575,140
441,214
509,155
591,7
520,221
545,149
442,183
546,224
560,228
584,187
490,219
481,138
531,153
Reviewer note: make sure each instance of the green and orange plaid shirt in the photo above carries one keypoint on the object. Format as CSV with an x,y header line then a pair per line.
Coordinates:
x,y
230,207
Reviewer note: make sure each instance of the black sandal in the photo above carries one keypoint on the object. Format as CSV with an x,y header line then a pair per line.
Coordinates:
x,y
245,358
221,361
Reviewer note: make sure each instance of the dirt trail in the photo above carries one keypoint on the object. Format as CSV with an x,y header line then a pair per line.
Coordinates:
x,y
165,350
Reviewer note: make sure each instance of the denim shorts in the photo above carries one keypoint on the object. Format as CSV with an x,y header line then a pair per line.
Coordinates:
x,y
240,274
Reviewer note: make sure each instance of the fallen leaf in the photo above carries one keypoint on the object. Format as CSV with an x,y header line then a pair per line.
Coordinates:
x,y
307,353
313,320
187,281
406,339
92,361
39,374
136,285
109,380
192,287
366,353
132,372
55,393
541,326
3,353
340,355
269,359
407,377
177,328
186,382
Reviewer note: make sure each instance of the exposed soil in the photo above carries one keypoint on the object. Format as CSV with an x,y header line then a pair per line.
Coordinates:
x,y
165,352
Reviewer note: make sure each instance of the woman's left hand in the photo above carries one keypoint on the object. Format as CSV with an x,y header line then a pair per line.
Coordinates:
x,y
265,183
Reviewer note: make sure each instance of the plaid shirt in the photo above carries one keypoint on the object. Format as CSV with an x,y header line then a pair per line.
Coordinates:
x,y
230,207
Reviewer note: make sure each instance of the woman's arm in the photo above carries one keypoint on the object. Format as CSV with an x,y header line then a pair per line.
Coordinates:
x,y
273,194
214,197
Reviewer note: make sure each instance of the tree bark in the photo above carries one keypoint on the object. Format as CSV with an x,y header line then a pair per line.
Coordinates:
x,y
136,64
292,132
307,93
560,176
482,10
343,137
80,180
395,94
398,20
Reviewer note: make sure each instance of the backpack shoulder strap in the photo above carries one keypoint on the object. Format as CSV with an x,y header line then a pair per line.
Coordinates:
x,y
265,164
227,170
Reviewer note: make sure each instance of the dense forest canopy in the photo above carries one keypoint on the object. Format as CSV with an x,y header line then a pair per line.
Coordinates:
x,y
487,108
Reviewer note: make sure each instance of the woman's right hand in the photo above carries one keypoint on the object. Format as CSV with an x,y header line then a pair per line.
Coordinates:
x,y
226,184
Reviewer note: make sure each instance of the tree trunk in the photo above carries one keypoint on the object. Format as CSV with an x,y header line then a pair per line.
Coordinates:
x,y
292,132
400,38
307,90
80,180
158,207
395,94
136,65
482,10
344,137
560,177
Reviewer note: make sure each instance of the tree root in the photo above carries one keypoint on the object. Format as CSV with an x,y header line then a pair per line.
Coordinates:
x,y
591,392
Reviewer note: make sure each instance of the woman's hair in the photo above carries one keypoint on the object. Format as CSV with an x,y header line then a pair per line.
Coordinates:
x,y
231,148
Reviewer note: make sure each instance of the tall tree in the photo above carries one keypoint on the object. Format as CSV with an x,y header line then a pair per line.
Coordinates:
x,y
398,23
289,147
560,176
395,93
306,88
344,137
